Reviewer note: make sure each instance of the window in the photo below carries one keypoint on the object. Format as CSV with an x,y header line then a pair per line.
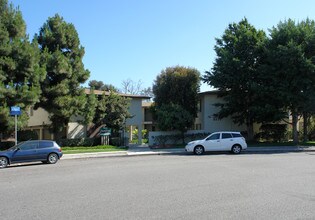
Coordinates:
x,y
226,135
236,135
45,144
28,145
214,137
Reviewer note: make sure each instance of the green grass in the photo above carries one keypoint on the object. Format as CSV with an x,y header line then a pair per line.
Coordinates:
x,y
92,149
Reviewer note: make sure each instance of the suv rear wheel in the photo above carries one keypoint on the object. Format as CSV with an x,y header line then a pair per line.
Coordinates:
x,y
236,149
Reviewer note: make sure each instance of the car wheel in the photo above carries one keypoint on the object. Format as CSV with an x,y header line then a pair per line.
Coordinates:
x,y
198,150
3,162
236,149
52,158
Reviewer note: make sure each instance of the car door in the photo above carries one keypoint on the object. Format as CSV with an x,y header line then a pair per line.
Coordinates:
x,y
43,149
212,142
25,152
227,141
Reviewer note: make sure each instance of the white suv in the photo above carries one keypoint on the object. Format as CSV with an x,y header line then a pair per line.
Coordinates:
x,y
218,141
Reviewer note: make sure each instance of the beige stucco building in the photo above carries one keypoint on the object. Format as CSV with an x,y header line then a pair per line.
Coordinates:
x,y
39,120
206,120
141,119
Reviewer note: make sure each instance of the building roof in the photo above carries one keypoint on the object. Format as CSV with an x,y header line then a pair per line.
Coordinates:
x,y
212,92
100,92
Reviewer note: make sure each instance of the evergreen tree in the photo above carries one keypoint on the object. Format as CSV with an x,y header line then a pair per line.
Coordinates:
x,y
62,55
20,72
99,85
112,110
89,110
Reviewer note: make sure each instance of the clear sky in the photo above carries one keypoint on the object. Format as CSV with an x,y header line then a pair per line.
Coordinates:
x,y
136,39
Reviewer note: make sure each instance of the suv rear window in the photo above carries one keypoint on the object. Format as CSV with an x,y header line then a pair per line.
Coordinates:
x,y
226,135
236,135
45,144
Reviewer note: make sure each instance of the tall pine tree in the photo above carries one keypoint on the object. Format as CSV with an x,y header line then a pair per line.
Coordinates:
x,y
62,54
20,72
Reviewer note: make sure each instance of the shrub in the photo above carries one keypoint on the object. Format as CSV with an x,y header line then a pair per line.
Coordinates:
x,y
272,132
177,138
115,141
135,135
79,142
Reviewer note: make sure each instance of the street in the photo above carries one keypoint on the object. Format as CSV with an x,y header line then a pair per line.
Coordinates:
x,y
211,186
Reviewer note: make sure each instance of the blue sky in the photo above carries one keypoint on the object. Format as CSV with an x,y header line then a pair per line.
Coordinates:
x,y
136,39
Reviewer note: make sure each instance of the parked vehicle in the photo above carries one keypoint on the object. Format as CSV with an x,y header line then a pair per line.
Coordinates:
x,y
30,151
218,141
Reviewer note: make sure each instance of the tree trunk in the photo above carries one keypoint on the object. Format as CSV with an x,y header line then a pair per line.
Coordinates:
x,y
305,124
183,137
294,127
250,131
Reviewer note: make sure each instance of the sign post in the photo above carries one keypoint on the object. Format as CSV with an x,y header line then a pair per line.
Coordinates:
x,y
15,110
105,133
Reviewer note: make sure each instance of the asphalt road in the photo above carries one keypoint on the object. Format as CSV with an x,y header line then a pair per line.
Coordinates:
x,y
212,186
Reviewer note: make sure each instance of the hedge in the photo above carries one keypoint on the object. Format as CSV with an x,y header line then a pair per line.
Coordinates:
x,y
174,139
79,142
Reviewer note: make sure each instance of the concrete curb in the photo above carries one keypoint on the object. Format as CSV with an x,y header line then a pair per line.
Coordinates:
x,y
132,153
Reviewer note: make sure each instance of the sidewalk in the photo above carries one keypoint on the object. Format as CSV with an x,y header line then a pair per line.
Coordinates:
x,y
142,150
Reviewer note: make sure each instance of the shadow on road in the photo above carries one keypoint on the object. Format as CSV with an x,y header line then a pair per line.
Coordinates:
x,y
242,153
20,165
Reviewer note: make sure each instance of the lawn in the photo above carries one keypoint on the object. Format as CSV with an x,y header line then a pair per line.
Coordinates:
x,y
92,149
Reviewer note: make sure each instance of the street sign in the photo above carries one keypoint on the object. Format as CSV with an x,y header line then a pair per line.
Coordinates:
x,y
15,110
104,131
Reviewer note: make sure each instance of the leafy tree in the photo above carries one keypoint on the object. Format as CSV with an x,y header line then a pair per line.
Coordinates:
x,y
112,110
20,72
291,66
236,74
174,117
176,98
99,85
62,55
